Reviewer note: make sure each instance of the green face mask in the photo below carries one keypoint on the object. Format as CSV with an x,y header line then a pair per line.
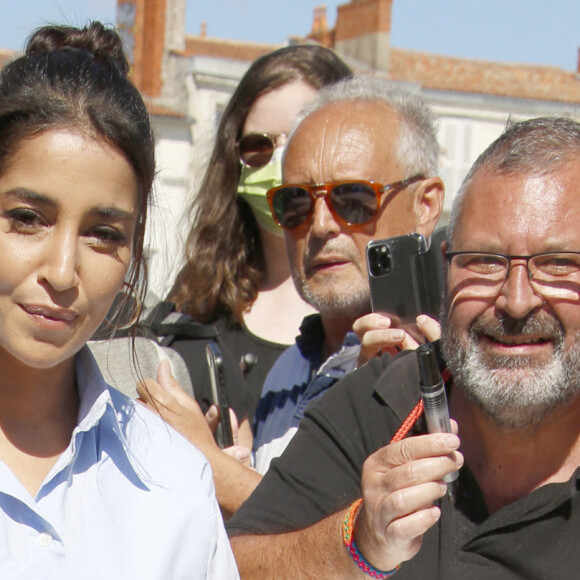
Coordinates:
x,y
254,183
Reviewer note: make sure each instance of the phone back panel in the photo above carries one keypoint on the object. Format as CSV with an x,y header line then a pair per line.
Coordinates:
x,y
405,277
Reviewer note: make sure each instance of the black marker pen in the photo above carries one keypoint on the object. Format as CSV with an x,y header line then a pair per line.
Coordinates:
x,y
434,396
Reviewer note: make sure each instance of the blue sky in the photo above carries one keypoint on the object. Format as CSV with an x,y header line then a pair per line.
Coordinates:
x,y
525,31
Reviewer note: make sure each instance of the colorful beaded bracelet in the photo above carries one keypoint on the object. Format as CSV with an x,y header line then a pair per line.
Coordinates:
x,y
352,548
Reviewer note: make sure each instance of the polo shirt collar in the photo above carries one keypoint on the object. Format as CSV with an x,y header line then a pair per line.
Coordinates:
x,y
310,339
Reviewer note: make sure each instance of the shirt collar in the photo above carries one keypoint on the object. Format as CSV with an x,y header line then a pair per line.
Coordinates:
x,y
105,409
323,374
311,338
94,393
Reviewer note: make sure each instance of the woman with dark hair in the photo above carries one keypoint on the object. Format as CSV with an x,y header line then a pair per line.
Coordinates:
x,y
237,275
92,484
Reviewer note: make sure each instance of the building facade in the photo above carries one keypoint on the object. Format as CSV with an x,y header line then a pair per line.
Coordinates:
x,y
187,81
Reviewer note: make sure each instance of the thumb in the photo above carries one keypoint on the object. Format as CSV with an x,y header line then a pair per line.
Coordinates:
x,y
235,428
429,327
164,376
212,417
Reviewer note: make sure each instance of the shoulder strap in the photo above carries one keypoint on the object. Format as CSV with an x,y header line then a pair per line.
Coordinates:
x,y
166,325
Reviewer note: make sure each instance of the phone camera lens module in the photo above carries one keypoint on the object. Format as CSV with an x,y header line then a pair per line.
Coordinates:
x,y
379,260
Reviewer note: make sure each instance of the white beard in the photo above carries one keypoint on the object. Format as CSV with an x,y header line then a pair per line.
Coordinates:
x,y
339,297
348,302
518,392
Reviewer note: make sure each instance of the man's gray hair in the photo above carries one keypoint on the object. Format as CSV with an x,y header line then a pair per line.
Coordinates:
x,y
534,147
417,147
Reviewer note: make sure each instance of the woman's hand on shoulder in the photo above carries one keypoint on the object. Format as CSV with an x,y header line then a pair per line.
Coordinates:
x,y
166,398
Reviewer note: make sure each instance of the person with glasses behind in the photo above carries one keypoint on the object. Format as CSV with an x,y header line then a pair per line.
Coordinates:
x,y
236,274
510,359
360,165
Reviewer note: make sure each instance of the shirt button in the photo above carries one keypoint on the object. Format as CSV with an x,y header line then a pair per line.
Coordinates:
x,y
45,539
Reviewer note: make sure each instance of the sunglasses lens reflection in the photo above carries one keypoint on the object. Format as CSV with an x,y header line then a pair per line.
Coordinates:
x,y
292,206
256,150
355,203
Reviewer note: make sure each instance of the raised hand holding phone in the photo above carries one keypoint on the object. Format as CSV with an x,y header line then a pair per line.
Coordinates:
x,y
406,281
406,276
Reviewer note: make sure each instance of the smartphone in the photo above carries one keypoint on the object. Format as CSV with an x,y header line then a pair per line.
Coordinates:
x,y
406,276
215,362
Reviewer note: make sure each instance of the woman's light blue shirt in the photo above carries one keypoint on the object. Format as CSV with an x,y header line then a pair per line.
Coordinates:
x,y
129,498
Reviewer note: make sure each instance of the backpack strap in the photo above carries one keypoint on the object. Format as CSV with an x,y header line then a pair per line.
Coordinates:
x,y
166,325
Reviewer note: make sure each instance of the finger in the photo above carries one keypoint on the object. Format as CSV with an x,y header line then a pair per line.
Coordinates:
x,y
409,500
376,342
405,534
408,343
234,424
413,473
414,448
164,376
155,397
167,389
411,462
150,391
387,544
368,322
393,338
212,417
429,327
143,394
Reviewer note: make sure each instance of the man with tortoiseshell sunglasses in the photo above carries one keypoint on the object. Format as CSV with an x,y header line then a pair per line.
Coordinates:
x,y
360,165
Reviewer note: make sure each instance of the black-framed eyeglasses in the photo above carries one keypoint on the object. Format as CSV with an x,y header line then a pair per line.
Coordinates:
x,y
354,203
256,149
552,274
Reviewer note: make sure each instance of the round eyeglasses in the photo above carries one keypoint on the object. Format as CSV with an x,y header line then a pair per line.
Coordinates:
x,y
256,149
354,203
551,274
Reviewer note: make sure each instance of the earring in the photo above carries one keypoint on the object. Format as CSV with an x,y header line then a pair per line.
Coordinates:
x,y
126,302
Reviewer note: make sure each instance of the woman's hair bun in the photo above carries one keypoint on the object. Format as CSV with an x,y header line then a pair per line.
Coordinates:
x,y
102,42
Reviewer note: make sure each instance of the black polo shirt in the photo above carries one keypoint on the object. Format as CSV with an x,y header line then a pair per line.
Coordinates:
x,y
536,537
